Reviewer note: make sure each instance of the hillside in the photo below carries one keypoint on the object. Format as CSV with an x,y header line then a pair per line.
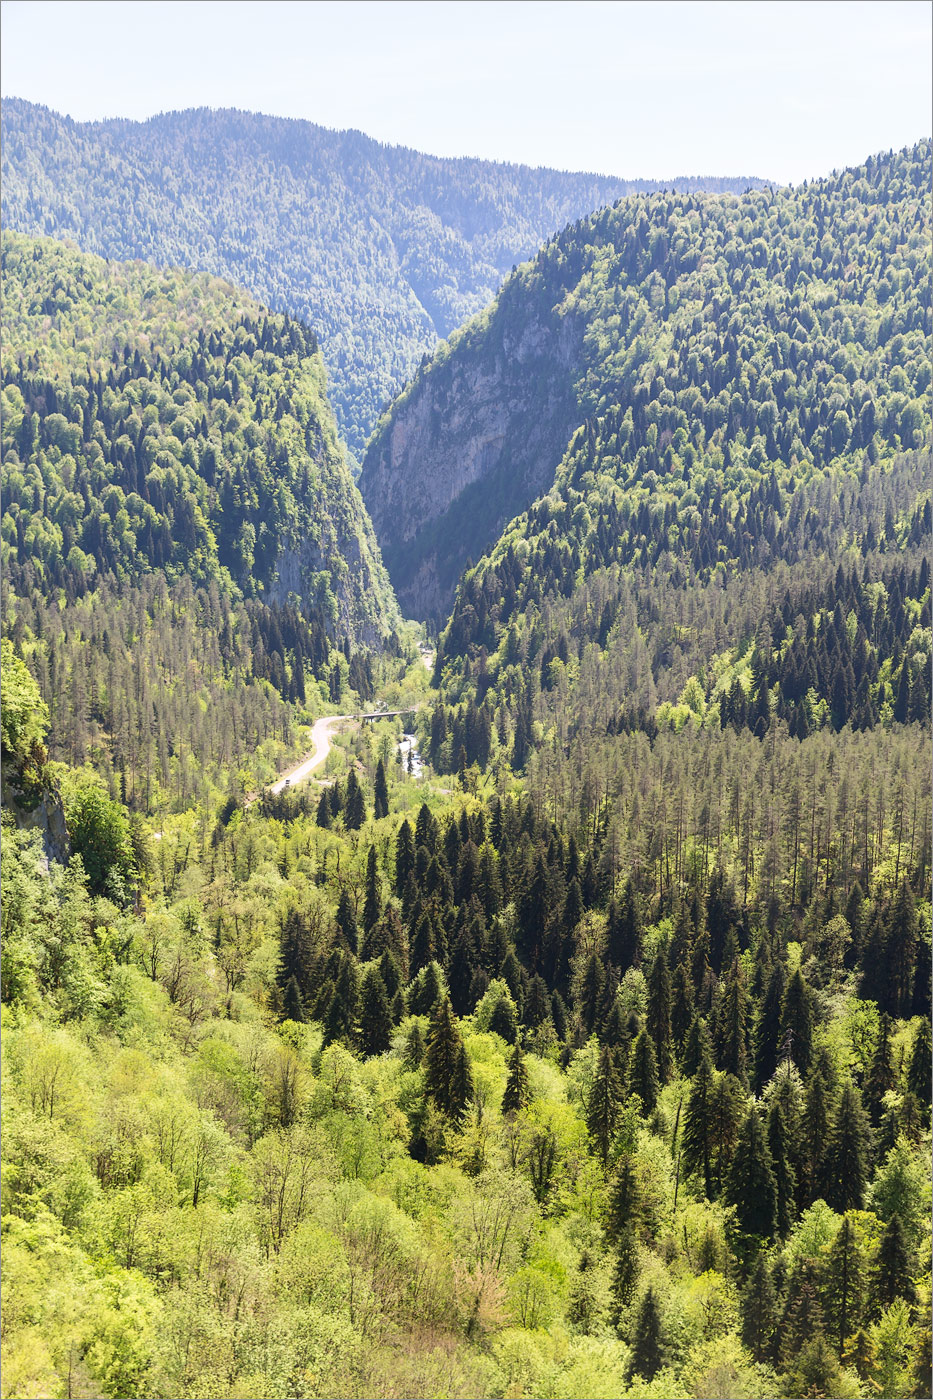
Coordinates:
x,y
380,249
175,493
653,367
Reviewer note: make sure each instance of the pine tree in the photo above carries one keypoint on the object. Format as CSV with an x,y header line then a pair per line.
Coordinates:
x,y
645,1358
293,1006
517,1091
643,1072
381,792
797,1021
893,1267
845,1172
375,1020
659,1013
843,1289
768,1028
785,1185
901,948
697,1135
625,929
750,1186
759,1309
603,1101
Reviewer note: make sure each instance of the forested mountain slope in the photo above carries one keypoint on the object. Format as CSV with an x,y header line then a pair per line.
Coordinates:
x,y
174,492
380,249
675,368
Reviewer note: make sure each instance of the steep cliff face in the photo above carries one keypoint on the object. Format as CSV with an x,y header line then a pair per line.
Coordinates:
x,y
479,434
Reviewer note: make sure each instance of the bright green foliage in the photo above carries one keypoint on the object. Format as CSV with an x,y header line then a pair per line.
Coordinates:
x,y
99,831
24,715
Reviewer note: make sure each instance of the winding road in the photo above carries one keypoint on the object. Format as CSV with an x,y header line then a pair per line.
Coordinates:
x,y
321,740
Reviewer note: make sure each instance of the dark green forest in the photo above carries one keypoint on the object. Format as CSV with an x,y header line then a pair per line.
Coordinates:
x,y
379,248
699,361
588,1056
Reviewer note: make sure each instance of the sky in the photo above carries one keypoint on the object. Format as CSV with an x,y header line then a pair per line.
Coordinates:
x,y
787,90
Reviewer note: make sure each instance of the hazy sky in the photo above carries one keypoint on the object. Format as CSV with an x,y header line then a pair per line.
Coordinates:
x,y
784,90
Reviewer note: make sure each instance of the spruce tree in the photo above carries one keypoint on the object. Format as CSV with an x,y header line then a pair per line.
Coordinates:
x,y
414,1047
372,905
645,1358
517,1091
759,1309
623,1206
817,1117
768,1028
404,857
461,1087
920,1069
381,792
443,1069
750,1186
340,1019
844,1279
697,1044
659,1013
681,1004
845,1171
643,1072
346,921
324,816
591,990
697,1131
422,944
292,1004
880,1077
625,929
602,1105
624,1278
785,1184
731,1024
901,948
354,814
797,1021
893,1266
375,1018
295,957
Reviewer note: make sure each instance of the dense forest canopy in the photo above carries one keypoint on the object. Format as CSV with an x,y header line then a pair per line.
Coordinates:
x,y
682,352
380,249
588,1056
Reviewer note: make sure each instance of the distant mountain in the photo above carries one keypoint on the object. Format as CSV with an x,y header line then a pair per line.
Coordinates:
x,y
665,374
163,421
380,249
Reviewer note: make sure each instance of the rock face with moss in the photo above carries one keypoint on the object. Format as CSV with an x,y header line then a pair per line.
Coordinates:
x,y
668,351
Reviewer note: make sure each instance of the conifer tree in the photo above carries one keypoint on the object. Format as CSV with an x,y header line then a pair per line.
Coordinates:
x,y
625,929
759,1309
324,816
354,814
844,1280
422,944
750,1186
346,921
517,1091
381,792
643,1071
340,1020
624,1277
845,1172
623,1202
920,1069
404,857
445,1081
785,1185
414,1047
697,1045
900,952
659,1013
645,1358
727,1108
817,1119
375,1019
731,1024
294,953
893,1267
591,989
293,1006
372,906
602,1106
768,1028
797,1021
697,1131
461,1087
681,1004
802,1313
880,1077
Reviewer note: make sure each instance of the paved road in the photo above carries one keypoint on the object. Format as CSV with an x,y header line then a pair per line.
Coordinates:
x,y
320,738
